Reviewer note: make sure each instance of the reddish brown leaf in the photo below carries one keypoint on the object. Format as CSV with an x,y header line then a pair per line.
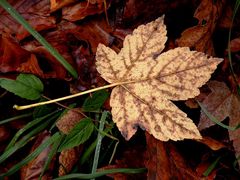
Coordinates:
x,y
36,12
67,159
39,61
11,54
235,45
33,169
4,133
94,32
82,9
222,103
58,4
69,120
131,158
199,37
164,162
202,167
212,143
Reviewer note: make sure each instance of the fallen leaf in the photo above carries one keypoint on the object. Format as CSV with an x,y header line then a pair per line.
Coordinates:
x,y
4,133
235,45
69,157
135,10
82,9
36,12
212,143
202,167
132,157
199,37
32,58
164,162
95,31
58,4
152,81
11,54
33,169
222,103
69,120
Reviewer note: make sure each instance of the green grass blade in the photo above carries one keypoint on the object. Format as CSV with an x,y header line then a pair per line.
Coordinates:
x,y
236,7
24,140
51,154
211,167
34,154
91,148
99,142
102,173
40,39
15,118
27,127
212,118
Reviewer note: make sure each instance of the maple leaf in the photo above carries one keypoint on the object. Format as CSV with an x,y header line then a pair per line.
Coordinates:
x,y
222,103
151,81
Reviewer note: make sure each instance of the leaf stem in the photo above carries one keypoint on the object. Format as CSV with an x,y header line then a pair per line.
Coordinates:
x,y
70,96
40,39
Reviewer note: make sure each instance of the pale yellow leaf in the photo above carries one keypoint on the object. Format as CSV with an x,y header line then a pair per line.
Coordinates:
x,y
154,79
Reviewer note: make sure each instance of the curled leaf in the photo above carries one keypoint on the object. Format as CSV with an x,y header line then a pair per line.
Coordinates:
x,y
151,81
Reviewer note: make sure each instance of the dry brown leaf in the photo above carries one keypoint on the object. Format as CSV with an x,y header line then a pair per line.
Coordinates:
x,y
132,157
212,143
69,157
199,37
34,168
235,45
58,4
82,9
155,81
69,120
165,162
222,103
11,54
36,12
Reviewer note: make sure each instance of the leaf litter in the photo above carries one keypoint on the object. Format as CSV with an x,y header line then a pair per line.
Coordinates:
x,y
83,35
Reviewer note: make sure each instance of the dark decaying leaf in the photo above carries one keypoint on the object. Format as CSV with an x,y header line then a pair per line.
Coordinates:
x,y
36,12
82,9
222,103
164,162
56,4
65,124
67,159
11,54
33,169
132,157
199,37
4,134
69,120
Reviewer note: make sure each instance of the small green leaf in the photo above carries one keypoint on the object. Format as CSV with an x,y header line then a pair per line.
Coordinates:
x,y
26,86
78,135
95,102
